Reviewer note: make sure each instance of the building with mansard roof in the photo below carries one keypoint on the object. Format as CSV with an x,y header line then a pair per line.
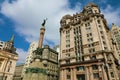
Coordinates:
x,y
86,47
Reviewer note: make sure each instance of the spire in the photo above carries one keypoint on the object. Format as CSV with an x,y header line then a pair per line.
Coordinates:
x,y
12,39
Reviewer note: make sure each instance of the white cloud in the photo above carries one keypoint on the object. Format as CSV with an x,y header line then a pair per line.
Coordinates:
x,y
22,55
29,14
112,15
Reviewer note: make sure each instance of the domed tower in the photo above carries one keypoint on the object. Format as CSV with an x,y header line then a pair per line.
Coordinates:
x,y
91,8
85,46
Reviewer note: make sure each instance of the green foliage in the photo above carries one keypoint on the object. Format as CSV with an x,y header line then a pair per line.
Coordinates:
x,y
36,70
38,51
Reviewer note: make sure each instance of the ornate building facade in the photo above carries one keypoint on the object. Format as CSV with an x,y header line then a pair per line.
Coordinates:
x,y
8,58
86,47
115,30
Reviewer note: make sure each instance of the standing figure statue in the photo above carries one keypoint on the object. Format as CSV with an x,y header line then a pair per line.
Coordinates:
x,y
44,21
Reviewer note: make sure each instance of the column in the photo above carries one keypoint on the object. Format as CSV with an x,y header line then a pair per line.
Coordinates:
x,y
74,73
71,74
87,73
91,73
64,75
104,73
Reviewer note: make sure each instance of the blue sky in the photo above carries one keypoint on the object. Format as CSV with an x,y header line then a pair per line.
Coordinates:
x,y
23,18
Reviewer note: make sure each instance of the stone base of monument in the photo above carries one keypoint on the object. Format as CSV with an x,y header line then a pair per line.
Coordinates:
x,y
36,71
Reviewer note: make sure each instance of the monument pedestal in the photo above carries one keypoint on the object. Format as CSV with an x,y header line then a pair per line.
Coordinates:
x,y
36,71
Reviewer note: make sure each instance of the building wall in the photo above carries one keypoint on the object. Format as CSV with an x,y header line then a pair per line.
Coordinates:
x,y
47,61
7,64
115,30
50,59
33,46
85,43
18,72
57,49
2,44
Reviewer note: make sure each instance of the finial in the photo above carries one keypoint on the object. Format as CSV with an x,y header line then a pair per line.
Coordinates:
x,y
44,21
113,24
12,39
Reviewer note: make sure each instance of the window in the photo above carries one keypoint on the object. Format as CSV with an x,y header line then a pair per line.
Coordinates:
x,y
67,61
101,32
110,66
104,43
112,75
105,48
96,75
94,67
5,77
81,68
91,50
8,69
102,37
98,21
68,69
95,11
68,77
93,57
0,64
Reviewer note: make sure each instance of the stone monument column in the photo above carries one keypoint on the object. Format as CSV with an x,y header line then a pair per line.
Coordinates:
x,y
42,32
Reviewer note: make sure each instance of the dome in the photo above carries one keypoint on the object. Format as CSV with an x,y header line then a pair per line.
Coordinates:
x,y
67,16
92,4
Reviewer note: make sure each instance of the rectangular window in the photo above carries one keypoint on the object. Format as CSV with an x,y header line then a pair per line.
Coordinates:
x,y
94,67
98,21
68,69
67,61
93,57
112,75
80,68
102,37
101,32
68,77
96,75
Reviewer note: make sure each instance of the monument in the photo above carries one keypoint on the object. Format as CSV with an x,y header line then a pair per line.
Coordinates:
x,y
45,63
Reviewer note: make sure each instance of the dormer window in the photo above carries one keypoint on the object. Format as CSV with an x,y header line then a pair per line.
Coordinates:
x,y
95,11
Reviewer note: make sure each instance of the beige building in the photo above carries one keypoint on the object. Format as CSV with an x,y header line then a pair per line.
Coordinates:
x,y
87,51
18,72
33,46
8,58
2,45
57,49
115,30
